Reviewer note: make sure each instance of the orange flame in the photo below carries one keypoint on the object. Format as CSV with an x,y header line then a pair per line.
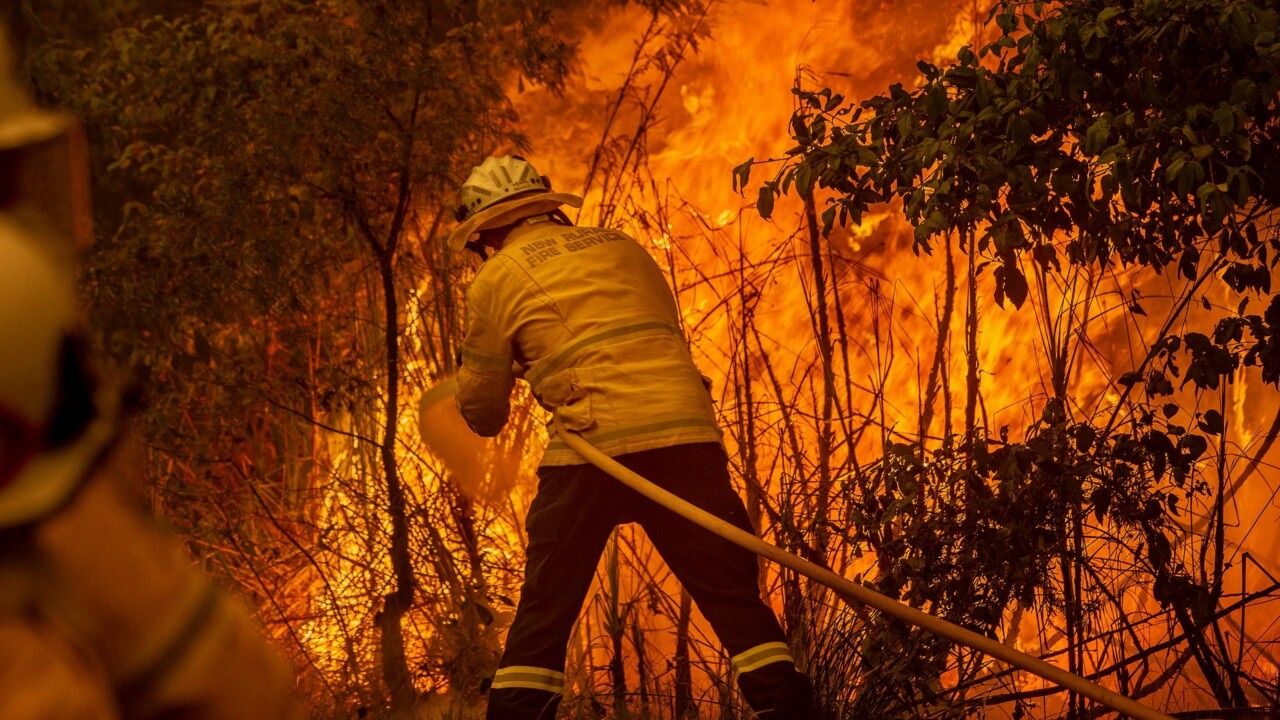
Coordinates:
x,y
707,110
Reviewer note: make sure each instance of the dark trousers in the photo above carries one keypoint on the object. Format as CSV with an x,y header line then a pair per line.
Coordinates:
x,y
569,523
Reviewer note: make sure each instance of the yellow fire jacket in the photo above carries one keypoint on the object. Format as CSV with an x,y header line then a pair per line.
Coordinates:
x,y
103,617
585,316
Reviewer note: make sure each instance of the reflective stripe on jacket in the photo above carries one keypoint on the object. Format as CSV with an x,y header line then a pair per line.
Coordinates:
x,y
586,317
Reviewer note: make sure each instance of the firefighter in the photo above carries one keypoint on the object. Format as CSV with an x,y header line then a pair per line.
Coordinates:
x,y
102,615
585,316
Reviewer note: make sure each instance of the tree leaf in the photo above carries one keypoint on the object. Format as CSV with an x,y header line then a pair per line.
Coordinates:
x,y
764,202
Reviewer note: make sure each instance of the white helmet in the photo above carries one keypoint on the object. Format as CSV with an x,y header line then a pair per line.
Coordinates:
x,y
52,428
42,461
500,191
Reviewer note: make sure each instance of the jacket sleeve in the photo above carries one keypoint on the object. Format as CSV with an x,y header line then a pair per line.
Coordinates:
x,y
485,377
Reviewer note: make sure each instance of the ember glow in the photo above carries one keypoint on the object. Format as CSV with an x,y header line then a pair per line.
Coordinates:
x,y
748,288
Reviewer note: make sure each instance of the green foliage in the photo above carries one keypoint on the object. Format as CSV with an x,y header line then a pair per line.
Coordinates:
x,y
973,528
269,181
1143,130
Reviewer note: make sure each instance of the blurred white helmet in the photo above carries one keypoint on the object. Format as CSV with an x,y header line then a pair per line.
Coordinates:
x,y
52,427
500,191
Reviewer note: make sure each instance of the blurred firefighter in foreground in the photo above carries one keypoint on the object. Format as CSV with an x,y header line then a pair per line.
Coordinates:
x,y
102,615
584,315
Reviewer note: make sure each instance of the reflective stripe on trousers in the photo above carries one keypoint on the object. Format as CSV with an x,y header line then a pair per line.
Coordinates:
x,y
525,691
532,678
761,655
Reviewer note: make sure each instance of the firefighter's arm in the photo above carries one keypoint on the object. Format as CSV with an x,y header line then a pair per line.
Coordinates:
x,y
485,373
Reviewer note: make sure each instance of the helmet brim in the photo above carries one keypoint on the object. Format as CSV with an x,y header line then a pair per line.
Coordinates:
x,y
30,127
509,211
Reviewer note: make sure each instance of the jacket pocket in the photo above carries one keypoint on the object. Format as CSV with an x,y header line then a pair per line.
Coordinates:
x,y
563,395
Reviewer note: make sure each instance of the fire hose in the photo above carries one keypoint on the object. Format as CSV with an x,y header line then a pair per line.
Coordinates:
x,y
853,591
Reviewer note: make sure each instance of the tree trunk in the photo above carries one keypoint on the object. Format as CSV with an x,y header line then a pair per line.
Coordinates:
x,y
826,436
395,666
